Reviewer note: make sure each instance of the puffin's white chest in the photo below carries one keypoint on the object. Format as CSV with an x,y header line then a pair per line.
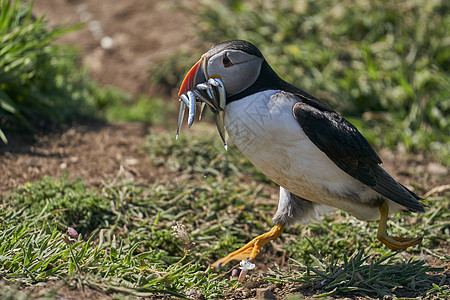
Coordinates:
x,y
263,127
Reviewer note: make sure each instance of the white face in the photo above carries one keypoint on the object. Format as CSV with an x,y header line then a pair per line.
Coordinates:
x,y
237,69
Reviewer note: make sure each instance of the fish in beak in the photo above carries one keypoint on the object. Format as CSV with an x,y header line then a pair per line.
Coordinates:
x,y
199,86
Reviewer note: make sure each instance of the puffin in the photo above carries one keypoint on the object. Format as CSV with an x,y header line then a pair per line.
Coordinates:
x,y
319,160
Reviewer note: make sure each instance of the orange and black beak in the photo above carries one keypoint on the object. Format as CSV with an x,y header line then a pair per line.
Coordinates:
x,y
196,74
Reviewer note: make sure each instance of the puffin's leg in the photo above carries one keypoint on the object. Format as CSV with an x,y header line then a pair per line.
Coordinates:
x,y
252,249
394,243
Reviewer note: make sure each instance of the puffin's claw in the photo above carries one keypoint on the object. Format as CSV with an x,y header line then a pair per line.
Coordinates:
x,y
251,249
399,243
394,242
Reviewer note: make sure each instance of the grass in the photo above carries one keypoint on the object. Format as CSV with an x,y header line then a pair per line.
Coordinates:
x,y
362,275
385,65
43,83
126,245
35,75
35,250
141,109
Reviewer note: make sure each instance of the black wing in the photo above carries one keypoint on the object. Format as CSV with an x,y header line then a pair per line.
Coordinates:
x,y
349,150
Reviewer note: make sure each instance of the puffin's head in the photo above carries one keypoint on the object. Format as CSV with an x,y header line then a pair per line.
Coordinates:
x,y
237,63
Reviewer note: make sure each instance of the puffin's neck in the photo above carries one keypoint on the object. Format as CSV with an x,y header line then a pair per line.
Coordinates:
x,y
267,80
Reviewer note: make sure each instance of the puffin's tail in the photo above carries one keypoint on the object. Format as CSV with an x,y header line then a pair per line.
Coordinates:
x,y
392,190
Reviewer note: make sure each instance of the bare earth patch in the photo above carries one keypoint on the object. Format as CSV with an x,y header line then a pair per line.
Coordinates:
x,y
121,38
94,151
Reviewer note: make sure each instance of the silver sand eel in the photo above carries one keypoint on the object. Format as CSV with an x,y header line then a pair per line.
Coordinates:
x,y
212,93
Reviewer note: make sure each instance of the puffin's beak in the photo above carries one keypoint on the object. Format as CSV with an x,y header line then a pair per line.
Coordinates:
x,y
193,77
198,74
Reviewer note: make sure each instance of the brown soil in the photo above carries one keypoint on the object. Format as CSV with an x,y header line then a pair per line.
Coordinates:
x,y
142,32
93,151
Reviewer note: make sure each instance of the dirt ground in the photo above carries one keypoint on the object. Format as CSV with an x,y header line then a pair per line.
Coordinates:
x,y
94,151
121,41
122,38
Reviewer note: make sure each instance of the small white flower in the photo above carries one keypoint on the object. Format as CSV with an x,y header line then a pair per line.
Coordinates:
x,y
245,265
180,232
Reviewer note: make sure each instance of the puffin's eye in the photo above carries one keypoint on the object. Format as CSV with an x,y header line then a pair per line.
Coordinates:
x,y
226,62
